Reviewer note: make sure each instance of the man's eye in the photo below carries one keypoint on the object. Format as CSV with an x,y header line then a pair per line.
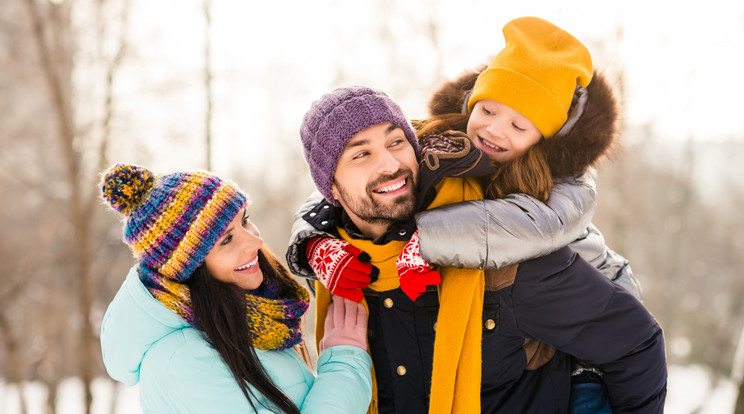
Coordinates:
x,y
360,155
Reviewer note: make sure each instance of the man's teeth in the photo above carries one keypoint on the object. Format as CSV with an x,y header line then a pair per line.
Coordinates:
x,y
248,265
391,187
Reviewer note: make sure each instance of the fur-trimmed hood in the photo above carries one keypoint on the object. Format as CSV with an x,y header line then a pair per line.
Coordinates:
x,y
593,137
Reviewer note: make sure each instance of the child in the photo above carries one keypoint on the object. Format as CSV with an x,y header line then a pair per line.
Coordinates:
x,y
539,112
542,75
208,319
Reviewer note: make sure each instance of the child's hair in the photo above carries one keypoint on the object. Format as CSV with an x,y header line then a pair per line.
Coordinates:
x,y
220,313
528,174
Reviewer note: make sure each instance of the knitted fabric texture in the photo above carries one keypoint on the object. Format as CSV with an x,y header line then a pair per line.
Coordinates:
x,y
274,317
334,119
536,73
172,221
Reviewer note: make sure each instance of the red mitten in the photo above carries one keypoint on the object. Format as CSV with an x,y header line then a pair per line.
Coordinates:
x,y
413,271
341,268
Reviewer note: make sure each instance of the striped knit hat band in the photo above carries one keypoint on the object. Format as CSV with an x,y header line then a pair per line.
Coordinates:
x,y
172,221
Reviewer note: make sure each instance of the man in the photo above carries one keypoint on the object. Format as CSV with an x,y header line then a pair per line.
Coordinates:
x,y
458,349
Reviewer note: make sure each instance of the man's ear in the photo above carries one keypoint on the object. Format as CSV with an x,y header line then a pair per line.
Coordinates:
x,y
334,192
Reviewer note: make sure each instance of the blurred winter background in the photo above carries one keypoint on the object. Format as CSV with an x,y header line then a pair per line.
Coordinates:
x,y
223,84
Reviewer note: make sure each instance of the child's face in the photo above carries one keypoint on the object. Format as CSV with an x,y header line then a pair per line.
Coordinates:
x,y
234,258
500,131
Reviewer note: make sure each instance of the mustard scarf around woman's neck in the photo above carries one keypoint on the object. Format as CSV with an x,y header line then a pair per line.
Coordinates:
x,y
456,373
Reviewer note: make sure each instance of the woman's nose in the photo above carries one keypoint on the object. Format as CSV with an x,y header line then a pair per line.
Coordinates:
x,y
253,240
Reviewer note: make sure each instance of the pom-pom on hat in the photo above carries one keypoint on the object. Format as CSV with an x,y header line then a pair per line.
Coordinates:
x,y
334,119
536,73
172,221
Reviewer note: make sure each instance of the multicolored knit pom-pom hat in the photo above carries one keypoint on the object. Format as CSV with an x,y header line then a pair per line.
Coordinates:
x,y
172,222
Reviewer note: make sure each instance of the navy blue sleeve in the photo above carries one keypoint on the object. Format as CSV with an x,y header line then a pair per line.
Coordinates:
x,y
562,300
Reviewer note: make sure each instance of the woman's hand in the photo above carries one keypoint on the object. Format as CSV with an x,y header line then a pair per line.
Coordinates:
x,y
345,324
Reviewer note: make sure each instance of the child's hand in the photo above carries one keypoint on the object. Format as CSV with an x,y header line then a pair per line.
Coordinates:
x,y
413,271
345,324
341,268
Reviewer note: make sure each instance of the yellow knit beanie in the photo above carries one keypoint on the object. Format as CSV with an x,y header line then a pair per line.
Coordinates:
x,y
536,73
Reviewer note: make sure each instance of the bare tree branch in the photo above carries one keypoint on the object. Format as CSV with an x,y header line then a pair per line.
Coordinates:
x,y
208,80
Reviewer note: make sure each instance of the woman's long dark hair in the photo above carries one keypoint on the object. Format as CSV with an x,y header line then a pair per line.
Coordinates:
x,y
219,312
528,174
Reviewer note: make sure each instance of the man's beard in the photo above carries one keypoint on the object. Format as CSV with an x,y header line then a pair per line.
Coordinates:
x,y
368,209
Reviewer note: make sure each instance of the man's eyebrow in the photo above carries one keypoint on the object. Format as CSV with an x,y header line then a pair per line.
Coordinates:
x,y
390,129
358,143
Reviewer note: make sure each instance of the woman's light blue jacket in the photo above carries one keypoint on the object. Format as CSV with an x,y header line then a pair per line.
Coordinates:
x,y
179,372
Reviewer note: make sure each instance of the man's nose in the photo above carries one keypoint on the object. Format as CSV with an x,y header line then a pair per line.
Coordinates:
x,y
388,163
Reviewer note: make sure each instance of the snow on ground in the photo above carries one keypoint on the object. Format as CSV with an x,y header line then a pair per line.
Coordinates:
x,y
690,387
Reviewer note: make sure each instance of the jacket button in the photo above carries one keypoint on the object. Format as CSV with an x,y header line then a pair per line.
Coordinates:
x,y
435,326
402,232
388,303
324,222
325,207
313,214
401,370
490,324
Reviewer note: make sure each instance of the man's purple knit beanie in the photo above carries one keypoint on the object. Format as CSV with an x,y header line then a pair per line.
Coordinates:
x,y
334,119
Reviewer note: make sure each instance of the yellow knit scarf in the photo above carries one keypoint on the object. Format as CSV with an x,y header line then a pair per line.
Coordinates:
x,y
456,374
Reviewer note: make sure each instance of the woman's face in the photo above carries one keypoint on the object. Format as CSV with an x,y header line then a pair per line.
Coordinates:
x,y
500,131
234,258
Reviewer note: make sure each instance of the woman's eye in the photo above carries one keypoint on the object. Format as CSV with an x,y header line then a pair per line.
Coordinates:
x,y
518,128
226,240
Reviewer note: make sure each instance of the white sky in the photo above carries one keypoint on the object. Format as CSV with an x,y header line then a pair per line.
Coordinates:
x,y
683,63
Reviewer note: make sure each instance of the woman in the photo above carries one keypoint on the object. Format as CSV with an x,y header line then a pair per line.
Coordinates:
x,y
208,319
